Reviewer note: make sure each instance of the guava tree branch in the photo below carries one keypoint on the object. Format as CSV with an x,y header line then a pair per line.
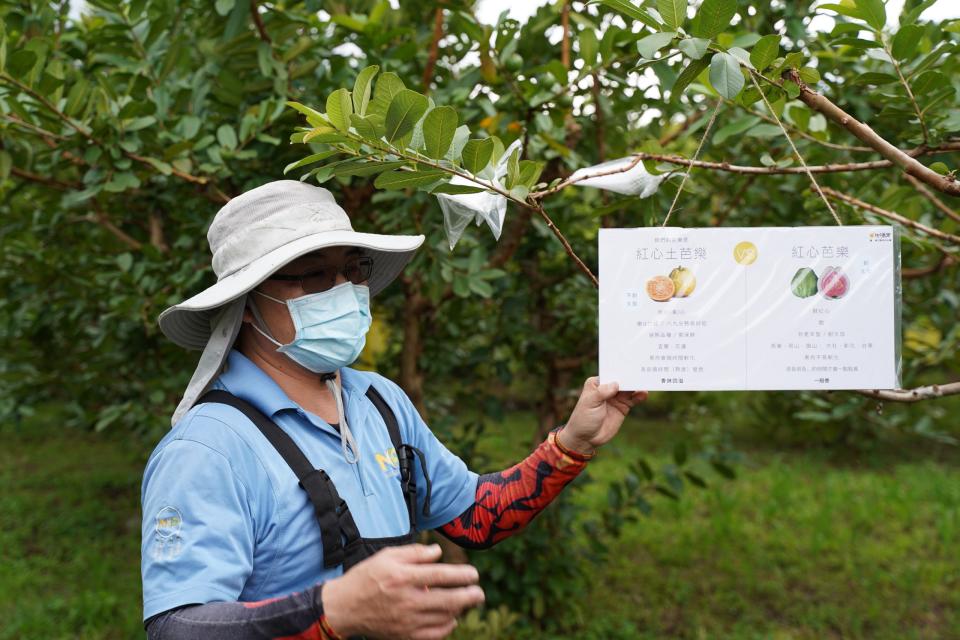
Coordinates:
x,y
946,261
890,215
929,195
914,395
945,184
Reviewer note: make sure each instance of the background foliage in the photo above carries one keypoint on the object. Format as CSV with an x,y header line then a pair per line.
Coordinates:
x,y
124,132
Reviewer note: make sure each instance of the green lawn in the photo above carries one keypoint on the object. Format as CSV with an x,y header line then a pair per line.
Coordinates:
x,y
804,544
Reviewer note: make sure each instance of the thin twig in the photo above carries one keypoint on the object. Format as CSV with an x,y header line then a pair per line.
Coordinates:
x,y
946,261
914,395
929,195
566,245
258,21
434,48
906,86
890,215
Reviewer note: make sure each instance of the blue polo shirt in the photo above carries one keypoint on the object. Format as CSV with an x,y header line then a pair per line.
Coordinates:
x,y
224,518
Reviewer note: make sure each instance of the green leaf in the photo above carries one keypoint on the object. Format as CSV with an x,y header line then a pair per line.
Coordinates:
x,y
21,62
513,169
713,17
688,75
844,9
366,167
6,162
529,172
809,75
873,12
648,47
339,108
125,262
695,479
875,78
398,179
227,137
940,168
673,12
438,129
906,41
404,111
765,51
630,10
224,7
160,165
388,85
680,454
723,469
362,88
316,157
734,128
741,55
694,48
725,75
314,117
121,182
477,154
456,189
792,89
588,47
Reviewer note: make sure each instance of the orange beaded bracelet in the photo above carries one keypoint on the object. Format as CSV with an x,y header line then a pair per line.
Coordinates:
x,y
576,455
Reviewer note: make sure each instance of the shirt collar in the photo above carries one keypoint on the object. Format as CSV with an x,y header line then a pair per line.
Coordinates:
x,y
247,381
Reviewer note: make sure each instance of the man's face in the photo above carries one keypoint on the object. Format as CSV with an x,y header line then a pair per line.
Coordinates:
x,y
275,315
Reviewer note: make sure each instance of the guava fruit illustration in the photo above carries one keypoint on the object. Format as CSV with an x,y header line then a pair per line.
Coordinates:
x,y
660,288
833,283
684,282
804,283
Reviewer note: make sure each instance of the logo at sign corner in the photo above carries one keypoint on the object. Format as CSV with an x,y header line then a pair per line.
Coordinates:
x,y
745,252
169,522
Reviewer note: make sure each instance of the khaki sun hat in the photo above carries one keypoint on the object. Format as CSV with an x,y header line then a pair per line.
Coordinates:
x,y
251,237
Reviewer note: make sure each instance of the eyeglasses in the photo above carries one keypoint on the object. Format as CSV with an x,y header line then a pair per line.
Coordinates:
x,y
355,270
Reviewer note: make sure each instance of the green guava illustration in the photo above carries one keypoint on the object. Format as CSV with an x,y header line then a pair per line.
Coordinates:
x,y
804,283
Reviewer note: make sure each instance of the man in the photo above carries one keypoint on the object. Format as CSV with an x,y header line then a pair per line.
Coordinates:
x,y
285,501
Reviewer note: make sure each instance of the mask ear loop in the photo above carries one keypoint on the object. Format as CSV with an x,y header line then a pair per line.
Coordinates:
x,y
265,332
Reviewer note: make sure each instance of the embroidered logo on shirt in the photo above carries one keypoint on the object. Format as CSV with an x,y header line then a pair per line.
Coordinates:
x,y
389,461
167,543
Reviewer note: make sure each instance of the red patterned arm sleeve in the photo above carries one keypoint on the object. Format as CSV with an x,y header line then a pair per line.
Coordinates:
x,y
506,501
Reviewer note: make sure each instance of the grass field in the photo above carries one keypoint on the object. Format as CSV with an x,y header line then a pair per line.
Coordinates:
x,y
804,544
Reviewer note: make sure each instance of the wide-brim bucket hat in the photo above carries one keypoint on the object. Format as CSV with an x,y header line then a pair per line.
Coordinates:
x,y
251,237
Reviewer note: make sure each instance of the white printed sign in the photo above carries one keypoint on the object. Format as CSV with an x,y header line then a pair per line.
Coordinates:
x,y
750,308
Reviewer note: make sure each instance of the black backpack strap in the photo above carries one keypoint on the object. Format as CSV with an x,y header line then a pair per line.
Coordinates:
x,y
333,514
405,457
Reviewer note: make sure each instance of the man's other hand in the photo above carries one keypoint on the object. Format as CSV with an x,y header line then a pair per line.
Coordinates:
x,y
401,592
598,415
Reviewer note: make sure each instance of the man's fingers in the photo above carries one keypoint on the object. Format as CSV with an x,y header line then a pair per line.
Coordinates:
x,y
444,575
416,553
452,601
632,397
435,632
599,392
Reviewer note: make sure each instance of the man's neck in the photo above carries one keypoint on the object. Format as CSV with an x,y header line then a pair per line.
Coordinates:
x,y
301,385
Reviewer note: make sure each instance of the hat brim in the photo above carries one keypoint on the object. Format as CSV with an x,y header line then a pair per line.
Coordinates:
x,y
188,323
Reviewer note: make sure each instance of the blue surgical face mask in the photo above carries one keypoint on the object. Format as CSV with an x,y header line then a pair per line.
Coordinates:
x,y
331,327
